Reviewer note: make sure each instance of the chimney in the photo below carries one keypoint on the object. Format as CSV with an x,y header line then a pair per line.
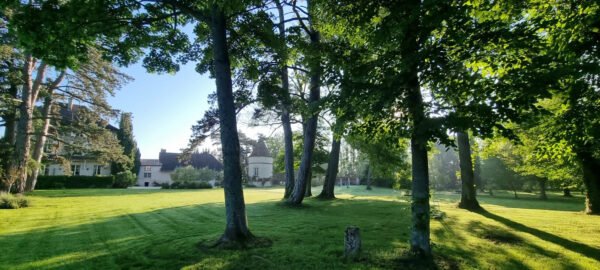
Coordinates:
x,y
71,104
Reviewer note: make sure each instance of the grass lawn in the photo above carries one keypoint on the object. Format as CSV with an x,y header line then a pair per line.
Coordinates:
x,y
160,229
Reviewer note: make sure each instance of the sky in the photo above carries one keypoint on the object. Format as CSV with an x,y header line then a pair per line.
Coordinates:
x,y
165,107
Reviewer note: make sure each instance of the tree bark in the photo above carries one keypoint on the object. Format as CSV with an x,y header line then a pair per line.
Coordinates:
x,y
38,149
18,168
369,177
543,183
591,180
308,191
310,133
468,198
332,170
236,229
288,159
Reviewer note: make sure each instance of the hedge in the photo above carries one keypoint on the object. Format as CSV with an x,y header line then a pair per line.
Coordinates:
x,y
75,181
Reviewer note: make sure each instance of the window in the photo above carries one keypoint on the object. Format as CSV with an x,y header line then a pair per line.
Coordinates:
x,y
147,168
75,169
147,175
97,170
47,170
255,172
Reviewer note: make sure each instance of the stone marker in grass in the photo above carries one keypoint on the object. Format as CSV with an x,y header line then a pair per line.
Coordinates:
x,y
352,241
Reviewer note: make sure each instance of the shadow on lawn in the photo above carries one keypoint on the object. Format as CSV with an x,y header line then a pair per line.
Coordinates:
x,y
525,201
305,238
583,249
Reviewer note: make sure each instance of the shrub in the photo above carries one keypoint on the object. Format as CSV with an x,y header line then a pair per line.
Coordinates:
x,y
124,179
9,201
187,185
75,181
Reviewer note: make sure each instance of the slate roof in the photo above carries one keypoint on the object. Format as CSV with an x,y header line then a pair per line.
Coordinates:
x,y
260,149
149,162
170,161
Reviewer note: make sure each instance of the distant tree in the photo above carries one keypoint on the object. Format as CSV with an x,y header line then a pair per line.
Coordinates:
x,y
443,168
185,174
496,175
126,140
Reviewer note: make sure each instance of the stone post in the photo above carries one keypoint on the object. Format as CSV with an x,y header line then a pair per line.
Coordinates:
x,y
352,241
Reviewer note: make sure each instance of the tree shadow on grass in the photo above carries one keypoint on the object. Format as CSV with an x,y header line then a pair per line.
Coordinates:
x,y
583,249
307,238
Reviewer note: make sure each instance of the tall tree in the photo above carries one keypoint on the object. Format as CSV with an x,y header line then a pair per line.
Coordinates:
x,y
126,140
310,130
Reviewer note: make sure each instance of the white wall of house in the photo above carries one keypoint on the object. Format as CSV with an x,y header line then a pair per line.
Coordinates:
x,y
260,167
151,174
86,168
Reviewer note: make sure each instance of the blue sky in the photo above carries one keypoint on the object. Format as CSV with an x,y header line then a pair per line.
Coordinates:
x,y
164,106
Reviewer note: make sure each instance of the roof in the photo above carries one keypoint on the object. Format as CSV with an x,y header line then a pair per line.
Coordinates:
x,y
170,161
149,162
260,149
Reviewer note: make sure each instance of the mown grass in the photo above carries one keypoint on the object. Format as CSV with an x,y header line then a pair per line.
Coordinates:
x,y
160,229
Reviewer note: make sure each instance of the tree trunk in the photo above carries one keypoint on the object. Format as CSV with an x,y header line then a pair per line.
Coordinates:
x,y
332,170
419,237
468,198
515,192
288,159
369,177
567,192
236,229
543,183
310,133
591,180
38,150
308,191
477,174
18,168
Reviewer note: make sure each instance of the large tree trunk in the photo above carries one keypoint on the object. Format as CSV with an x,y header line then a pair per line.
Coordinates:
x,y
419,236
543,183
420,245
236,229
332,170
591,180
18,168
288,160
468,198
38,150
477,172
369,177
310,133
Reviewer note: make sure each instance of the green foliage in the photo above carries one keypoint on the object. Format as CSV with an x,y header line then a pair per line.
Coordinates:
x,y
124,179
320,154
75,181
496,175
10,201
443,168
191,174
186,185
185,174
